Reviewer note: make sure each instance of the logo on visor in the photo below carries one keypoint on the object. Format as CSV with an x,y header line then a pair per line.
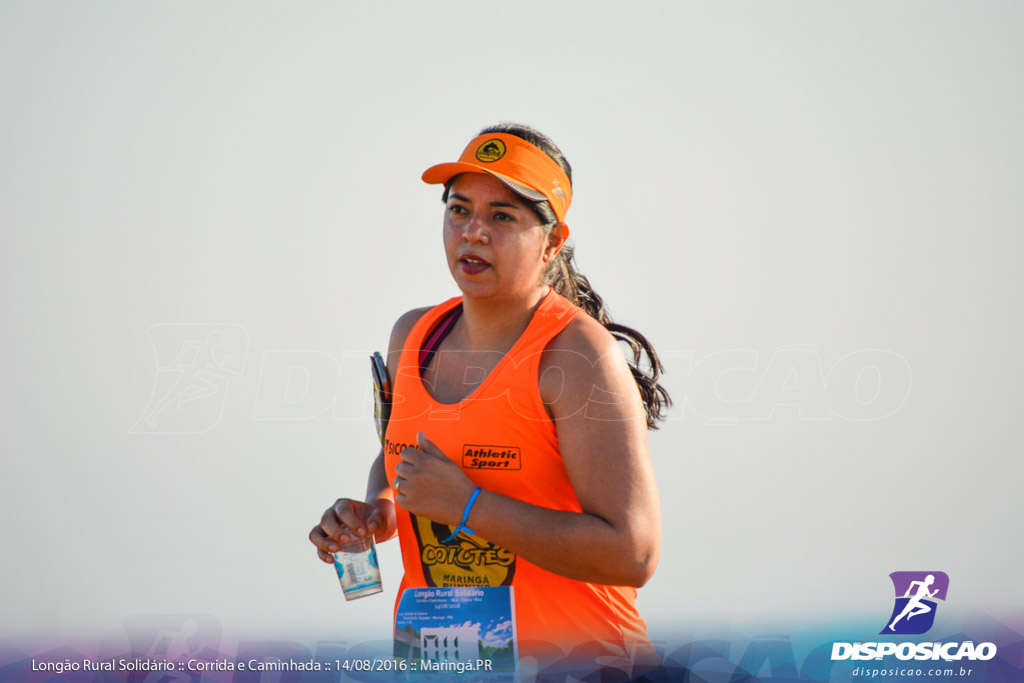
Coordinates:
x,y
492,150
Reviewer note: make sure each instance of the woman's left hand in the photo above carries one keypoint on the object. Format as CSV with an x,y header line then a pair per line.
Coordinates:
x,y
430,484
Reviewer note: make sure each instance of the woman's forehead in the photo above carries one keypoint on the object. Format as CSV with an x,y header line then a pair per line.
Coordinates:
x,y
484,186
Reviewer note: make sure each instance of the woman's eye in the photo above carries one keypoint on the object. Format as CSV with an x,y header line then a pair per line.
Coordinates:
x,y
458,209
502,216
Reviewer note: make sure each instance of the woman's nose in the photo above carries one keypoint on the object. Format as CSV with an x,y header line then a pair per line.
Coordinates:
x,y
476,230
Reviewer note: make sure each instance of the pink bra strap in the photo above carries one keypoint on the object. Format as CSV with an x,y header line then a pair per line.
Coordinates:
x,y
436,335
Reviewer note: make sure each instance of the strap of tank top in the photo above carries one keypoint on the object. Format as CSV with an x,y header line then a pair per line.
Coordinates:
x,y
554,314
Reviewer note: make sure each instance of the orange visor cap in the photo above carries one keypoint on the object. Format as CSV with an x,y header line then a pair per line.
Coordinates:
x,y
526,169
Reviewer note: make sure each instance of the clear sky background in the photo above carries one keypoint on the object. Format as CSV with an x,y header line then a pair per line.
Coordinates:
x,y
812,209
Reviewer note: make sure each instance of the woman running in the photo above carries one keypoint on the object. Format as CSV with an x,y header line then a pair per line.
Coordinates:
x,y
516,454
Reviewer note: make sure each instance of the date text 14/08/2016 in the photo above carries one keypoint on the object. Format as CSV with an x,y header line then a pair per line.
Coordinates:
x,y
406,665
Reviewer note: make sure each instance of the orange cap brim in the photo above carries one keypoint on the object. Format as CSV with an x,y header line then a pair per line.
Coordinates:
x,y
525,169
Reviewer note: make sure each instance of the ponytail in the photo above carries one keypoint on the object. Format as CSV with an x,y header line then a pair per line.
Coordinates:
x,y
575,287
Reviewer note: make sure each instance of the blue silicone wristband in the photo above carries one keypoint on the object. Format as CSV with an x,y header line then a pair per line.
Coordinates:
x,y
465,516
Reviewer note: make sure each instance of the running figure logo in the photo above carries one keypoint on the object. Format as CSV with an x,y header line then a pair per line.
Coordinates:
x,y
916,593
195,363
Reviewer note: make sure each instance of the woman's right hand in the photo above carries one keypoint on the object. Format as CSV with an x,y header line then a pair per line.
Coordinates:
x,y
348,519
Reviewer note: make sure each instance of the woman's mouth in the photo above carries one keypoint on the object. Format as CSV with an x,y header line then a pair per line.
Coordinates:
x,y
471,265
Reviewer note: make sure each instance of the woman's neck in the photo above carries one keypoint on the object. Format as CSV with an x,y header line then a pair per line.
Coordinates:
x,y
496,325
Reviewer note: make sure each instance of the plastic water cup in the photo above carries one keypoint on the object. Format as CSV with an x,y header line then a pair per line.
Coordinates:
x,y
356,564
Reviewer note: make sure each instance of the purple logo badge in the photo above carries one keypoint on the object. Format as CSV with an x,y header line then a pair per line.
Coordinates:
x,y
916,593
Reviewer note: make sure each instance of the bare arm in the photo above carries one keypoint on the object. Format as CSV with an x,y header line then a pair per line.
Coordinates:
x,y
602,436
376,515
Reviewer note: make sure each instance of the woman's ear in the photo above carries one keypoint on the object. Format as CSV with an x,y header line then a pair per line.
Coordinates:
x,y
556,240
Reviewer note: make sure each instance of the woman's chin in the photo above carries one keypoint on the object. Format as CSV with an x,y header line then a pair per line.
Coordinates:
x,y
474,290
475,285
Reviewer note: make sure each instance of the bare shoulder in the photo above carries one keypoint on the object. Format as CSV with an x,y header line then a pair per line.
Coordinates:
x,y
405,323
400,332
584,340
581,358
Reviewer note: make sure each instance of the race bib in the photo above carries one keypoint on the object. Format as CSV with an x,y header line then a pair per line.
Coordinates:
x,y
462,632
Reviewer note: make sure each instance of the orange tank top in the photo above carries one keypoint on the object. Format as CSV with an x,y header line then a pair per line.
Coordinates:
x,y
504,440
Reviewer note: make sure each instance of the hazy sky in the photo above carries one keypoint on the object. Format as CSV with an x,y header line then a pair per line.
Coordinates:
x,y
812,209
